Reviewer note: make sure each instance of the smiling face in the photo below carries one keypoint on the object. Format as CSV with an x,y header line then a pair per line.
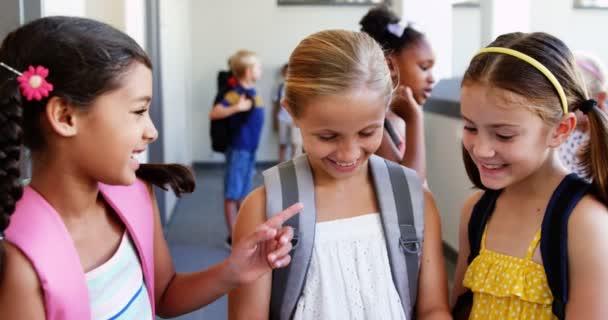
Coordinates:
x,y
506,141
340,132
115,128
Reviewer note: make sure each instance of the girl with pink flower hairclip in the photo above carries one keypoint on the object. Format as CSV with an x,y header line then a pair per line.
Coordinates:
x,y
83,240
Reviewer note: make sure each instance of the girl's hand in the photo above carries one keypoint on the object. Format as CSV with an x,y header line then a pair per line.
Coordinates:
x,y
264,249
403,103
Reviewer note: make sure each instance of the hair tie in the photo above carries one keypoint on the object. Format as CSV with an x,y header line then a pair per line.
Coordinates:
x,y
588,105
32,83
396,29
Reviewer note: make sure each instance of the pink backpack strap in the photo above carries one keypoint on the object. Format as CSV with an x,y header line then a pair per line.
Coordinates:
x,y
49,247
133,205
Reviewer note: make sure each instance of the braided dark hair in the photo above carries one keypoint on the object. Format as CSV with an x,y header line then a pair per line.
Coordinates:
x,y
86,58
375,23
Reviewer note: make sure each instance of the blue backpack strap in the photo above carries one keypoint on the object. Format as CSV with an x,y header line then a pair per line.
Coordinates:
x,y
554,238
286,184
482,211
401,200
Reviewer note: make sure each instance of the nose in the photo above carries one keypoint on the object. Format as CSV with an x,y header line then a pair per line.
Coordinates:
x,y
348,151
483,148
150,132
430,79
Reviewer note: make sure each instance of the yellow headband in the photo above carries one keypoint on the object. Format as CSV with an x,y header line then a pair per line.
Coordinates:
x,y
535,64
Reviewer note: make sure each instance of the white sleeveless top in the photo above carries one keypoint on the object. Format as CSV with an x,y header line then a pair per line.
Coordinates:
x,y
117,289
349,275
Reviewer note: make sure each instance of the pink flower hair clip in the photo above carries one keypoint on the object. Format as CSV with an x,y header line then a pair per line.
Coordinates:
x,y
32,83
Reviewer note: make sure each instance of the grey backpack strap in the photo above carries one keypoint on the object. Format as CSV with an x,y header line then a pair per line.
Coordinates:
x,y
401,200
286,184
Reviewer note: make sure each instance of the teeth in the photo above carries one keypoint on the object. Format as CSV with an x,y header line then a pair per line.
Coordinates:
x,y
342,164
493,166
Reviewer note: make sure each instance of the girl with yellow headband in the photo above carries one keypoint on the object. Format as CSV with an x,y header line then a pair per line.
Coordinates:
x,y
533,240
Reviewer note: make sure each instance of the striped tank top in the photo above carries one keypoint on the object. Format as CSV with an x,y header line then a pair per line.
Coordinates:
x,y
117,289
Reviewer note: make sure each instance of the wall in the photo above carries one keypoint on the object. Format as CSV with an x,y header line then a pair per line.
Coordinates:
x,y
11,16
111,12
64,8
581,29
270,30
466,37
176,69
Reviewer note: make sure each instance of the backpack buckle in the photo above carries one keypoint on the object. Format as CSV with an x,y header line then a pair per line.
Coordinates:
x,y
410,246
295,241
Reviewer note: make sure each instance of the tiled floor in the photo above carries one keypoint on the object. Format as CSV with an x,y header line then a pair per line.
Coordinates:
x,y
196,233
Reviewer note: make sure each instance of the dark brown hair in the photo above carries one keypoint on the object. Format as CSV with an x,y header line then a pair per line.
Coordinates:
x,y
515,75
87,58
375,23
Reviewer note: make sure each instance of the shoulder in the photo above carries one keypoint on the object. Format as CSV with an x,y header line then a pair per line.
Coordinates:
x,y
252,212
231,97
588,223
17,265
19,278
469,204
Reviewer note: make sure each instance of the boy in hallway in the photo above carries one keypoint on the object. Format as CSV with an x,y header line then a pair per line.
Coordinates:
x,y
245,111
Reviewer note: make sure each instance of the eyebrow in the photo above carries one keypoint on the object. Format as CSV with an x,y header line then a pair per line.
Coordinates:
x,y
142,99
371,126
493,125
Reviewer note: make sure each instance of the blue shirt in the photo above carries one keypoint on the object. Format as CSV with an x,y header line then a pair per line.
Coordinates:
x,y
245,126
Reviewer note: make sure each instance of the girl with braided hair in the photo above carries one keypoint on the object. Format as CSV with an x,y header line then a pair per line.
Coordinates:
x,y
83,240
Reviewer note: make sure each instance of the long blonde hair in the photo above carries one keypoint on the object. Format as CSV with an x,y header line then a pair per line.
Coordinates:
x,y
334,62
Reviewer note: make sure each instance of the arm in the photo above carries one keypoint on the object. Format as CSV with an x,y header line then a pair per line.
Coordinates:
x,y
251,301
251,257
432,302
415,151
405,106
463,246
20,291
588,261
219,111
387,149
177,293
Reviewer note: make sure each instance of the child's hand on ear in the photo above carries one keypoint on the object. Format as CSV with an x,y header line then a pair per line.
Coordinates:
x,y
403,103
264,249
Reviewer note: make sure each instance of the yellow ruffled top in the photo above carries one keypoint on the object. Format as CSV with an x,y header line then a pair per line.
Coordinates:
x,y
506,287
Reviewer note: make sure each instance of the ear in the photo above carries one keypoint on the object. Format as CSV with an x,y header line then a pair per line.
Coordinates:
x,y
565,126
393,65
61,116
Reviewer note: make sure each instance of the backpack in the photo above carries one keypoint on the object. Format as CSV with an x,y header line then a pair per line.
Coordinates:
x,y
553,242
220,130
401,201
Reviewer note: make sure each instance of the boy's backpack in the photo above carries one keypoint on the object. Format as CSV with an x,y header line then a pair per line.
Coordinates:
x,y
220,131
401,201
553,242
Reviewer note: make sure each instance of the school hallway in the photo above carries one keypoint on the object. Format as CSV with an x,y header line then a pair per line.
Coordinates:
x,y
196,233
